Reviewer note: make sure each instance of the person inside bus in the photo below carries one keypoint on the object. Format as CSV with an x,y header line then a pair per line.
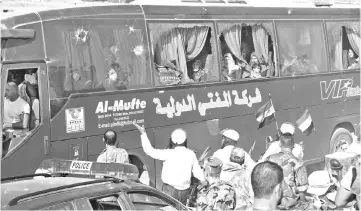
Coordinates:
x,y
81,79
111,153
256,71
16,109
229,141
178,166
30,93
231,71
352,60
275,146
199,73
256,61
116,78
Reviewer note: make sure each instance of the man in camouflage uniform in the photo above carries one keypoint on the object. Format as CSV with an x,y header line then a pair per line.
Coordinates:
x,y
215,194
295,174
237,173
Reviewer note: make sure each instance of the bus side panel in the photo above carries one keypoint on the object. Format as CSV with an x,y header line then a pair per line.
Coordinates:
x,y
72,149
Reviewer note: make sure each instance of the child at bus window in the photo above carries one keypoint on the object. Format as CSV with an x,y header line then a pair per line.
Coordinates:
x,y
260,62
352,60
256,71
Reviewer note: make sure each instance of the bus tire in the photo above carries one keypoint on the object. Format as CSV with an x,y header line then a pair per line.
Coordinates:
x,y
339,139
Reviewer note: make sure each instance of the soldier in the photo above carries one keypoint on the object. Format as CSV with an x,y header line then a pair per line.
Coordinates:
x,y
239,176
294,171
229,141
215,194
275,146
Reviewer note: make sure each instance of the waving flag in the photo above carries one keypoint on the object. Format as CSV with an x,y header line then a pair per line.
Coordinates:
x,y
305,123
266,114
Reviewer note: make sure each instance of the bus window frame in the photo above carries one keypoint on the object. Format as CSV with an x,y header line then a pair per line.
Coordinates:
x,y
2,95
330,65
40,66
249,21
325,42
196,22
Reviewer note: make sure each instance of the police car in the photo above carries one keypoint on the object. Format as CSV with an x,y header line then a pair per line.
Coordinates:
x,y
82,185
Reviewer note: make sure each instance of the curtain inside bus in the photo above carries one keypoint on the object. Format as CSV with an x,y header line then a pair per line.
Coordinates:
x,y
178,47
246,39
95,55
343,37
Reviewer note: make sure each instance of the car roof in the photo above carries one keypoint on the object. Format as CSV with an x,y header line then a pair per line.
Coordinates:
x,y
14,189
18,188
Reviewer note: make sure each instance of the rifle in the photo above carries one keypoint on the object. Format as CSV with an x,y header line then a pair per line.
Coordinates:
x,y
193,195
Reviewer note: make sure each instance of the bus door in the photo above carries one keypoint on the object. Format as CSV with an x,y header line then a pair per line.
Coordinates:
x,y
25,117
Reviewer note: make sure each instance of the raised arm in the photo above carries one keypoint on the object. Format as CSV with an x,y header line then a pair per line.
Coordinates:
x,y
159,154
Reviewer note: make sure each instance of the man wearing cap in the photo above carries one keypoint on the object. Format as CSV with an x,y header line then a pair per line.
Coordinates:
x,y
321,186
215,194
294,171
239,177
275,147
350,183
179,164
229,141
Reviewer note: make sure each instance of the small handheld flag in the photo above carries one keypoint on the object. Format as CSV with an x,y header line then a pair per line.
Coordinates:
x,y
252,148
266,114
305,123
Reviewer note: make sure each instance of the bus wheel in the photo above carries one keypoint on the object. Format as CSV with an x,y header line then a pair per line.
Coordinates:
x,y
340,140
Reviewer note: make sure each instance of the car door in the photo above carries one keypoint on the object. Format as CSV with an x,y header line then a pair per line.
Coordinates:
x,y
26,148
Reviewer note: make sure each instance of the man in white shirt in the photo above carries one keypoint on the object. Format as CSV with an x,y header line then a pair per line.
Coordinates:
x,y
275,147
16,110
229,141
179,164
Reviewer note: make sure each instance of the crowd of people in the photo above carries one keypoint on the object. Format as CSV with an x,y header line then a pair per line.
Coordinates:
x,y
230,179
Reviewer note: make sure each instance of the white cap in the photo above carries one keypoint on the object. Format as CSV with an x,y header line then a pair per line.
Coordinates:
x,y
287,127
179,136
231,134
319,182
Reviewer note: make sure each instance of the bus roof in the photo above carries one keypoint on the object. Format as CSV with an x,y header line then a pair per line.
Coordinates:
x,y
14,8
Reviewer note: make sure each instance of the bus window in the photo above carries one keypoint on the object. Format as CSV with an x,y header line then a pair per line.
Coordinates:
x,y
96,55
21,106
183,53
301,47
247,50
344,44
